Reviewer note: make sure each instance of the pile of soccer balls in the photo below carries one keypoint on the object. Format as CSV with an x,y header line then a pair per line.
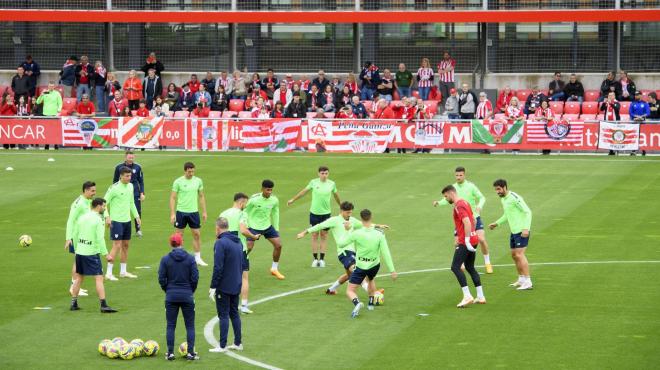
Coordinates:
x,y
120,348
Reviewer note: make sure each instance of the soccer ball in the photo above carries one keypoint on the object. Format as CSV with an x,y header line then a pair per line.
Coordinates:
x,y
119,341
379,299
103,346
138,344
127,352
24,241
112,350
151,348
183,349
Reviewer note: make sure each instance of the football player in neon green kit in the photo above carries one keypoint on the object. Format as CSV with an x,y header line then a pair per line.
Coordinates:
x,y
263,210
370,244
468,191
519,217
186,198
79,207
320,210
238,225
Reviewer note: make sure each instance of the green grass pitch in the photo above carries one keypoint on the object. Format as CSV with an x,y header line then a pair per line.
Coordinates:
x,y
586,209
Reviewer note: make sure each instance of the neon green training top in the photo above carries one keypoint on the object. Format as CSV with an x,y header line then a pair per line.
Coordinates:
x,y
516,212
187,193
236,217
263,212
121,202
89,235
369,245
321,196
79,207
468,191
339,232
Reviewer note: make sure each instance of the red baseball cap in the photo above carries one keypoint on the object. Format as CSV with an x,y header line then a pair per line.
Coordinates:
x,y
452,90
176,240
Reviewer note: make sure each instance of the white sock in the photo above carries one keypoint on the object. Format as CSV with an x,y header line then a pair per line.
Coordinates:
x,y
466,291
122,268
487,259
528,279
110,265
198,255
274,265
521,278
334,285
244,302
365,286
480,292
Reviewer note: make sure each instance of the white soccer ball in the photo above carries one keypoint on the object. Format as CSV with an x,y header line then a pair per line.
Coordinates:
x,y
24,241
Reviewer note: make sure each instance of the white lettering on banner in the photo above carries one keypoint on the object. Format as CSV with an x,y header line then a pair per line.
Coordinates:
x,y
459,135
22,132
395,136
657,139
410,133
592,137
650,140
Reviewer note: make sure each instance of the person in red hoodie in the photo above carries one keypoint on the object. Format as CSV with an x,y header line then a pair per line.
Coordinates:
x,y
8,108
142,111
117,105
85,109
384,111
253,95
202,111
503,100
405,110
194,84
345,113
278,111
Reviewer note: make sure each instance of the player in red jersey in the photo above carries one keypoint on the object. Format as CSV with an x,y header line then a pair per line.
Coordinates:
x,y
465,253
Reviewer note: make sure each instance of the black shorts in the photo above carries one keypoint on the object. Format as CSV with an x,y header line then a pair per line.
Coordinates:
x,y
347,259
479,225
518,241
120,230
317,219
190,219
89,265
269,233
246,261
358,275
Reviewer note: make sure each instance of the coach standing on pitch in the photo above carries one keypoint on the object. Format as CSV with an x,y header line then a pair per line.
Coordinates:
x,y
226,283
137,179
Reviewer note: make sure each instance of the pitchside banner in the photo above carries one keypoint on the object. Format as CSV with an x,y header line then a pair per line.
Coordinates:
x,y
204,134
349,136
89,132
28,131
276,135
618,136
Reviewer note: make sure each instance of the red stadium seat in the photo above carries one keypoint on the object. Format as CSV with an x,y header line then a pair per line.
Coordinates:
x,y
169,113
415,93
229,114
432,105
311,114
236,105
215,114
522,94
68,106
164,92
590,107
368,104
625,117
395,95
329,115
500,115
591,95
8,90
625,108
588,117
244,114
2,89
571,117
181,114
572,107
657,93
557,107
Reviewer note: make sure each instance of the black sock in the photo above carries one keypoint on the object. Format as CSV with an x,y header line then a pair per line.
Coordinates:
x,y
74,301
322,256
316,256
356,301
103,303
371,300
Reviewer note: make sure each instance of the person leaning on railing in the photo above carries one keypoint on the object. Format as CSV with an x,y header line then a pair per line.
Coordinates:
x,y
639,109
654,108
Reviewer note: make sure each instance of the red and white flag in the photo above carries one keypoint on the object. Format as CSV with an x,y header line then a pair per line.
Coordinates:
x,y
349,136
72,135
204,134
140,132
618,136
554,131
429,133
270,136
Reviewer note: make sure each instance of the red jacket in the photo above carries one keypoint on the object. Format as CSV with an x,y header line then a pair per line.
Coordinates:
x,y
83,108
405,113
194,86
133,89
201,112
503,101
8,110
142,112
384,113
115,108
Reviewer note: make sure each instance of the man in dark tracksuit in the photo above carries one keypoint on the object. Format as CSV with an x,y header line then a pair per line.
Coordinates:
x,y
178,277
137,179
226,283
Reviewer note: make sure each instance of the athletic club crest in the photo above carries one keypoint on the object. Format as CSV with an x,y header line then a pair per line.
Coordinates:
x,y
498,128
144,131
363,142
558,130
87,128
210,134
618,136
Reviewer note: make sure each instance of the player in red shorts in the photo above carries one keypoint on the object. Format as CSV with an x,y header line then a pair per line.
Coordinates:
x,y
465,253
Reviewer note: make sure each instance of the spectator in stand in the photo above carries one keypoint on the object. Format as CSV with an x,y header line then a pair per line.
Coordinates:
x,y
153,62
33,71
226,82
51,100
20,84
289,81
68,75
405,111
503,99
404,81
256,105
514,111
160,108
8,107
85,108
296,108
84,73
99,78
127,112
111,86
639,109
344,97
142,110
654,107
320,82
23,108
610,108
359,110
172,96
283,95
328,99
239,88
297,87
421,110
446,77
370,77
133,90
194,83
485,108
314,99
466,103
270,83
352,84
336,85
534,101
608,85
201,111
424,79
383,111
574,91
152,86
221,100
345,112
260,110
209,82
320,114
278,111
117,105
386,86
451,105
625,87
254,93
544,112
203,96
305,83
556,88
186,99
256,80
